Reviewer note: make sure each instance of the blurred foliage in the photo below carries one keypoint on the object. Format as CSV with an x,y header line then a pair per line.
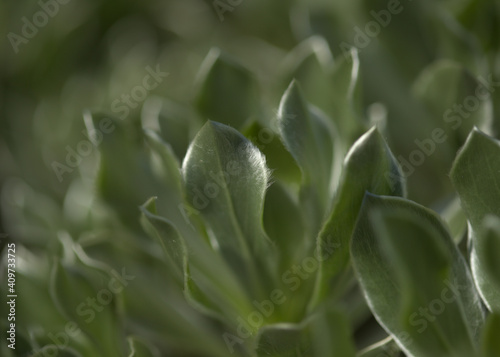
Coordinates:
x,y
104,105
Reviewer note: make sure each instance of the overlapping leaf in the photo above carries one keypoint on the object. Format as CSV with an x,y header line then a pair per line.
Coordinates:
x,y
476,176
369,166
213,289
414,278
226,178
310,139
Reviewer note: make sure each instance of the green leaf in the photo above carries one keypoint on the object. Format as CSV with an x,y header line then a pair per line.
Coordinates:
x,y
456,220
210,300
385,348
167,236
325,333
369,166
226,178
228,92
310,139
485,263
163,161
490,340
476,177
415,280
346,97
89,302
331,86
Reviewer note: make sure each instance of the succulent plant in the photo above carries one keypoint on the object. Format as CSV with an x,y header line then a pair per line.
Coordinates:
x,y
301,202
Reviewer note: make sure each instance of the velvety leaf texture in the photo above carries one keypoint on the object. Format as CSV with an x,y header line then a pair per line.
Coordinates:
x,y
309,137
476,176
415,280
368,166
226,178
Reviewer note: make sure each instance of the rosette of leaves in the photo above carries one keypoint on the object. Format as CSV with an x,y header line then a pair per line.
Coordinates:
x,y
348,230
267,235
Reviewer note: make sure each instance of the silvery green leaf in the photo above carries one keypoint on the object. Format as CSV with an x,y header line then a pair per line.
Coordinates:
x,y
455,217
226,178
309,137
485,263
210,300
332,86
415,280
476,176
168,237
368,166
163,161
346,97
